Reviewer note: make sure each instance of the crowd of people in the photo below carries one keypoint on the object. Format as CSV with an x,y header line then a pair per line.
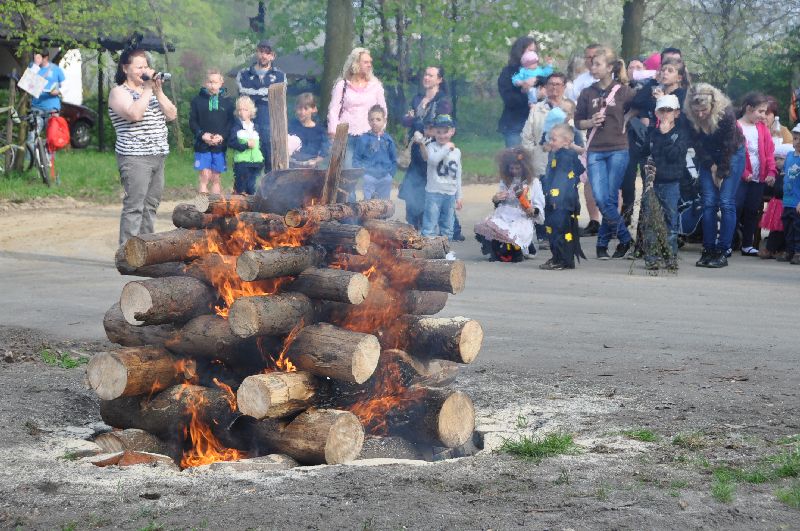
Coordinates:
x,y
597,126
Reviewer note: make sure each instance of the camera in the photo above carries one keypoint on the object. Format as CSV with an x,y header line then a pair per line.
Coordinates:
x,y
161,76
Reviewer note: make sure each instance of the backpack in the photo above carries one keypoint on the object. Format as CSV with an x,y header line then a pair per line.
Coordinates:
x,y
57,133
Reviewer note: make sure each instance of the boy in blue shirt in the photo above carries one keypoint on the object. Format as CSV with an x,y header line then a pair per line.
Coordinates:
x,y
791,201
376,152
315,146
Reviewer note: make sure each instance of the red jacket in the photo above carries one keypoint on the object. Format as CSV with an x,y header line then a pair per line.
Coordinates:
x,y
766,155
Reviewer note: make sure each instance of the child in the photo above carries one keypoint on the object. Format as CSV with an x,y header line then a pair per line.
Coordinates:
x,y
529,70
562,204
376,152
774,244
668,144
412,189
210,119
315,146
508,234
443,186
791,201
248,159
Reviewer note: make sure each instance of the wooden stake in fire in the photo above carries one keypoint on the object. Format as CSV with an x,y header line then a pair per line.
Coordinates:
x,y
279,127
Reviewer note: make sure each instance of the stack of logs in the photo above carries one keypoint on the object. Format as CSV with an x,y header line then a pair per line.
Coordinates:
x,y
285,334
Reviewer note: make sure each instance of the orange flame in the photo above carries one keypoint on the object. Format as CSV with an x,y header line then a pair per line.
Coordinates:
x,y
205,447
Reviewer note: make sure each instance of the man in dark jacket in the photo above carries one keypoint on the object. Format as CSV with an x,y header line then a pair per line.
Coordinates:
x,y
254,82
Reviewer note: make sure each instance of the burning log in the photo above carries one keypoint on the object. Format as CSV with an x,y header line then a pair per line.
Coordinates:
x,y
436,248
168,269
269,314
440,275
132,440
359,210
276,394
220,205
316,436
424,302
210,267
120,331
441,416
206,336
456,339
176,245
340,237
186,216
332,285
265,226
379,301
395,234
165,300
280,262
326,350
170,410
135,371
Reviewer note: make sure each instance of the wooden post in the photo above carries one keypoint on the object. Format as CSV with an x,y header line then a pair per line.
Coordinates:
x,y
101,135
278,126
334,173
12,93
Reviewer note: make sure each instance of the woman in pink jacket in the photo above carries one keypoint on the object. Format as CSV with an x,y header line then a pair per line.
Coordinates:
x,y
759,169
353,95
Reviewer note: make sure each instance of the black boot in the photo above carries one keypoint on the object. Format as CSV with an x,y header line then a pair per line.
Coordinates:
x,y
705,258
718,260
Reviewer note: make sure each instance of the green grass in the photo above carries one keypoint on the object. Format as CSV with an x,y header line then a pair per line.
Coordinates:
x,y
62,359
538,449
723,489
790,495
641,435
89,175
69,455
690,441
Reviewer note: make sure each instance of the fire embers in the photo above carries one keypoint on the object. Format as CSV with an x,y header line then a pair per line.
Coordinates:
x,y
254,337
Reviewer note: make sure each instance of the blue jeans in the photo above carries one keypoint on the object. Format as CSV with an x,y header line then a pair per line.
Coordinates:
x,y
667,194
347,163
723,200
377,188
440,210
606,173
512,139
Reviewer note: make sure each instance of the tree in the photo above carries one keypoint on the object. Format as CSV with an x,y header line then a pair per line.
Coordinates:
x,y
632,22
339,36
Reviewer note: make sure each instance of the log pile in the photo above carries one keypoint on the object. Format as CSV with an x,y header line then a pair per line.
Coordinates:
x,y
296,333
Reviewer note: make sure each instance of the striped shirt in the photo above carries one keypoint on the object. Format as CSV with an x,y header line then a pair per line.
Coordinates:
x,y
148,136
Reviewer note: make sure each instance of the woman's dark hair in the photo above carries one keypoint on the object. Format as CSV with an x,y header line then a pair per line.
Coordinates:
x,y
125,59
440,72
681,67
517,49
772,105
752,99
515,155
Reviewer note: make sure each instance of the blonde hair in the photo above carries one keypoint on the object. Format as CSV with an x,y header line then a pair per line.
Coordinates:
x,y
214,72
713,98
563,129
351,67
568,106
618,70
246,103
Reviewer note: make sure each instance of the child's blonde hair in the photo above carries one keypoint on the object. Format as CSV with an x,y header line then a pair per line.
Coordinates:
x,y
568,106
214,72
563,129
306,99
246,103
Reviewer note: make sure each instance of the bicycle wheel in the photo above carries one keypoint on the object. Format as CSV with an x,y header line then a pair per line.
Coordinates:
x,y
7,155
42,161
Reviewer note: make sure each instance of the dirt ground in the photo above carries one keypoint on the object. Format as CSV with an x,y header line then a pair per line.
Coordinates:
x,y
704,360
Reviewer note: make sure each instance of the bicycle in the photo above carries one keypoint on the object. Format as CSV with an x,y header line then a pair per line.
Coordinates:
x,y
39,156
8,152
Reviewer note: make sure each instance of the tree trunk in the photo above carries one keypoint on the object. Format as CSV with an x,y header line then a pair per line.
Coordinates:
x,y
326,350
279,262
339,34
632,22
133,371
170,411
316,436
165,300
120,331
269,314
360,210
338,237
276,394
173,83
456,338
332,285
176,245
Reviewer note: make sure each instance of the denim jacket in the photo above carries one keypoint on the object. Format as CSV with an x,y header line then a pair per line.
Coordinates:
x,y
376,154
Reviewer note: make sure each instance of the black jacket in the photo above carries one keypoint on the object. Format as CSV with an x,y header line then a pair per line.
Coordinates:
x,y
669,152
720,146
202,120
515,103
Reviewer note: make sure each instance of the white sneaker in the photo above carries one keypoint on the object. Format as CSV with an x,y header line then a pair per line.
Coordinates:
x,y
450,256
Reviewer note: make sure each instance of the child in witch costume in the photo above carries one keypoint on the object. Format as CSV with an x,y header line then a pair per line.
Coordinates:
x,y
508,235
562,204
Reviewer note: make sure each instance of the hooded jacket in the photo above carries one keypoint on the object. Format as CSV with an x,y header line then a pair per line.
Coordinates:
x,y
210,115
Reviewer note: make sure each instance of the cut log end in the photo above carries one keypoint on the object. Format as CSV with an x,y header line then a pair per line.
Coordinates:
x,y
362,240
107,375
294,218
135,252
365,358
345,439
246,267
357,289
470,341
456,420
458,277
137,301
243,318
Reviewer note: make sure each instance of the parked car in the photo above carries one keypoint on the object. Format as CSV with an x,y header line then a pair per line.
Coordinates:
x,y
81,120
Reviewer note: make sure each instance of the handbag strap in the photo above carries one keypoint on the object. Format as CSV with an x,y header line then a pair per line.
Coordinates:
x,y
609,100
341,102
